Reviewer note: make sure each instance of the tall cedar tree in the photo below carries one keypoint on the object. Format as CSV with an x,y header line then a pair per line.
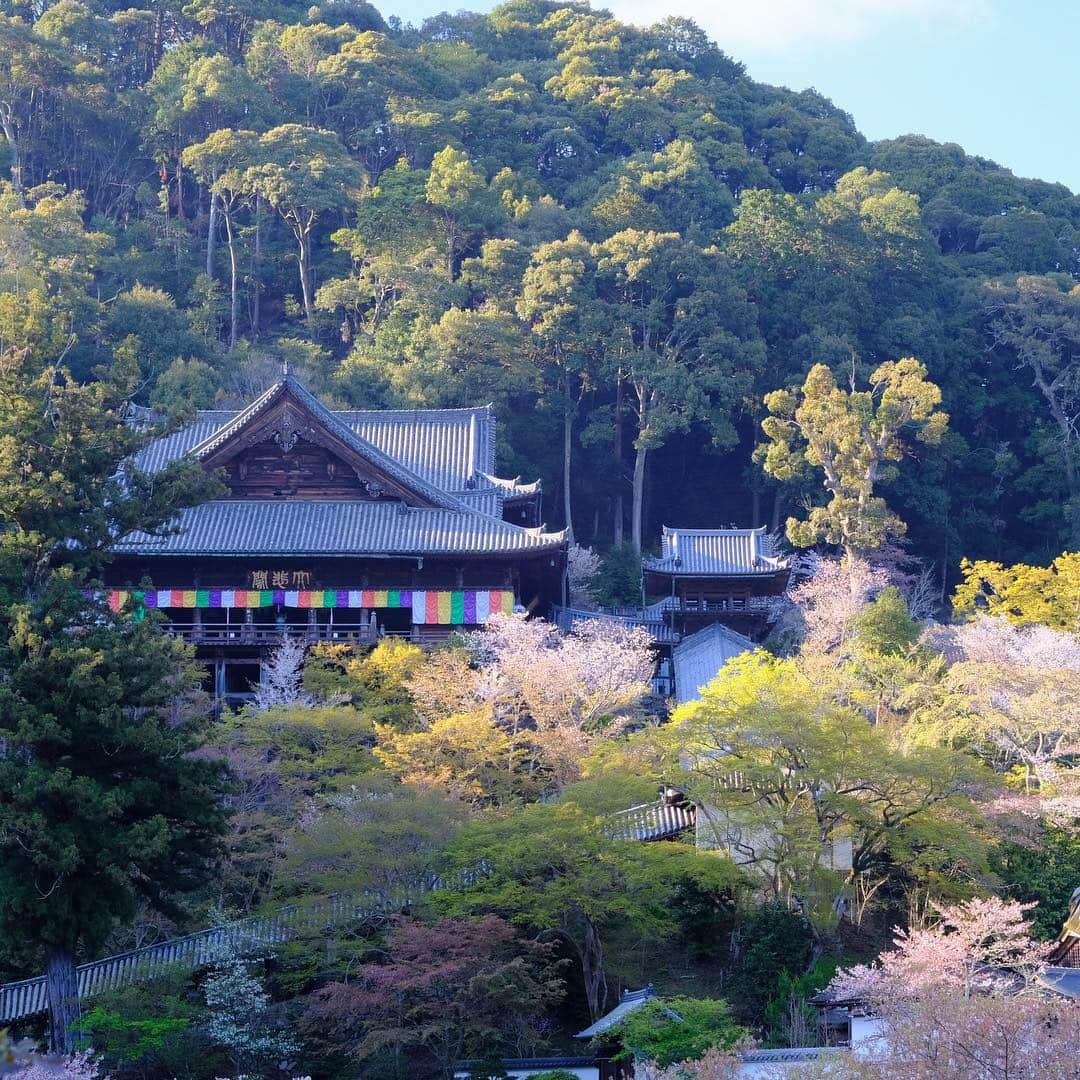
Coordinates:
x,y
101,803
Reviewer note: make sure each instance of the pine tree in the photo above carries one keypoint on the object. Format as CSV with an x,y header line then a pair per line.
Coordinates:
x,y
101,802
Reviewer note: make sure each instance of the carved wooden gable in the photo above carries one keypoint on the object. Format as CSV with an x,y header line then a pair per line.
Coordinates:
x,y
287,453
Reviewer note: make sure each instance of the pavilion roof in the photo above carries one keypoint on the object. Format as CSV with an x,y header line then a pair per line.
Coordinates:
x,y
716,553
630,1002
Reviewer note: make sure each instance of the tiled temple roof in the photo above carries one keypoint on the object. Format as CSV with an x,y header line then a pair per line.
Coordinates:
x,y
335,528
630,1002
453,449
697,660
716,552
444,455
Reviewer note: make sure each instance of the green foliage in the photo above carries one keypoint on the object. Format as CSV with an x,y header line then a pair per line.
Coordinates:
x,y
773,941
789,1016
1044,872
619,580
147,1029
185,385
667,1031
379,836
102,805
842,793
851,436
374,681
1024,595
434,183
884,627
313,748
553,868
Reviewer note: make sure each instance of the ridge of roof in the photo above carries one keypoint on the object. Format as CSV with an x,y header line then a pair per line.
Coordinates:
x,y
716,552
668,530
514,486
716,629
453,448
631,1001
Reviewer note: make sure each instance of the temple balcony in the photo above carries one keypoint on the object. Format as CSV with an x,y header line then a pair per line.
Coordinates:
x,y
272,634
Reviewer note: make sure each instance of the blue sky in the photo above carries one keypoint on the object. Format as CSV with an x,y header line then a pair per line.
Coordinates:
x,y
996,76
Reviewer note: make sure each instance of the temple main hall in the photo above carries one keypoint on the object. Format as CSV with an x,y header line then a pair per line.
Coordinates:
x,y
337,526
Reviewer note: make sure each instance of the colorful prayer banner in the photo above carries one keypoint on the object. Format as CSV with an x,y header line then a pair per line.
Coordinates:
x,y
460,607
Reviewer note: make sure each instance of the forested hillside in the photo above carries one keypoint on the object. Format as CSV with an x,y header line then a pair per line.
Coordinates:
x,y
612,233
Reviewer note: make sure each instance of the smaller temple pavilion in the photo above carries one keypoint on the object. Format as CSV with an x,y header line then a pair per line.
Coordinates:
x,y
339,526
706,576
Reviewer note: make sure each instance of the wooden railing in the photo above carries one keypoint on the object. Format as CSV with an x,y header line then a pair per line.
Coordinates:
x,y
735,603
18,1000
271,633
659,631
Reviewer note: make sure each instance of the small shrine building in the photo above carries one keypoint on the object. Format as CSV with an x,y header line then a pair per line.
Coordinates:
x,y
707,576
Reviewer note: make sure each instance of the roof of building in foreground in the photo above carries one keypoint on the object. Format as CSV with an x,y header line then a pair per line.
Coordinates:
x,y
697,659
444,456
630,1002
717,552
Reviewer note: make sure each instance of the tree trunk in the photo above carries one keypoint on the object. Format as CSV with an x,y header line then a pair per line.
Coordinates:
x,y
303,236
592,972
568,431
232,280
157,47
211,229
257,269
451,246
61,988
1065,426
7,123
620,515
180,190
639,498
777,506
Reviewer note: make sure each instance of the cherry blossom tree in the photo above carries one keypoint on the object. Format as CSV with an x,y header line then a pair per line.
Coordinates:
x,y
282,677
582,567
828,601
1013,695
573,689
978,946
554,696
715,1065
957,1001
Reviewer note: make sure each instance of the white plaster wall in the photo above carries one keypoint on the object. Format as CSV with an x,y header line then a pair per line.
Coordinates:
x,y
582,1072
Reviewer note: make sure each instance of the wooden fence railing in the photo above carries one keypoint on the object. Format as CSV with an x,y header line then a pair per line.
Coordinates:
x,y
566,617
244,936
19,1000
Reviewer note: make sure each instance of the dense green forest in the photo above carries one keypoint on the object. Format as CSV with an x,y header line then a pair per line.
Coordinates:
x,y
612,233
692,299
